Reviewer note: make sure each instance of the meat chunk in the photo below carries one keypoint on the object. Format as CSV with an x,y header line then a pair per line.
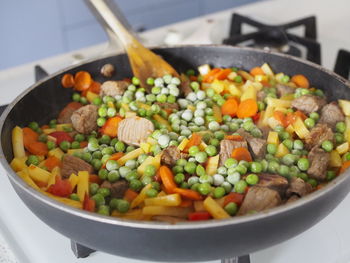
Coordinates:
x,y
185,85
118,188
84,119
167,105
113,87
298,187
171,154
284,90
258,199
72,164
319,160
257,145
134,130
107,70
308,103
292,199
261,95
273,181
331,114
318,134
66,113
226,148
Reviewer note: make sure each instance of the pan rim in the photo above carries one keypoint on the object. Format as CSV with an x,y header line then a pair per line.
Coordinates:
x,y
158,225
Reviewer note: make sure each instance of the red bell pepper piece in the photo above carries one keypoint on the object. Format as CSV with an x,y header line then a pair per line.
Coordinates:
x,y
61,136
89,204
197,216
234,197
61,187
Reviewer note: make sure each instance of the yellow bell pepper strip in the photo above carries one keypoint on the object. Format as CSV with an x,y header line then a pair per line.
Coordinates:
x,y
167,200
83,184
141,196
17,143
214,209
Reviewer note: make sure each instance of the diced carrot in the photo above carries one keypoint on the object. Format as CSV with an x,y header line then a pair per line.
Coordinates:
x,y
257,71
344,166
52,162
130,195
221,75
45,127
168,111
301,81
195,140
186,203
167,178
279,116
83,144
110,128
67,81
95,87
241,153
208,78
37,148
29,136
82,80
300,114
188,193
193,78
247,108
230,107
234,137
93,178
233,197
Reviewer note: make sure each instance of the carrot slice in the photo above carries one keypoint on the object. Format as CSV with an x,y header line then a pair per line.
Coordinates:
x,y
208,78
82,80
37,148
83,144
241,153
195,140
344,166
52,162
257,71
233,197
130,195
301,81
247,108
93,178
67,81
188,193
234,137
223,74
95,87
29,136
300,114
186,203
110,128
230,107
167,178
278,115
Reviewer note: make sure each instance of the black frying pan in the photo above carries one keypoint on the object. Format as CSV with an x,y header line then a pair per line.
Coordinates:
x,y
186,241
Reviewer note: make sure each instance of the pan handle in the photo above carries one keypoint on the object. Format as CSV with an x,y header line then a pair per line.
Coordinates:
x,y
113,21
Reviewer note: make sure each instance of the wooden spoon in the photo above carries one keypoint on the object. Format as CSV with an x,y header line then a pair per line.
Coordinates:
x,y
144,63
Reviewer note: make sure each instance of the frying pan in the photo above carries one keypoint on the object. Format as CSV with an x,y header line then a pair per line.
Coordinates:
x,y
186,241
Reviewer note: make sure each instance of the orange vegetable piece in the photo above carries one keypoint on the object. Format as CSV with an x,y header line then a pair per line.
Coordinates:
x,y
230,107
82,80
186,203
110,128
278,115
208,78
52,162
193,78
189,194
241,153
223,74
257,71
233,197
301,81
344,166
83,144
234,137
167,178
67,81
247,108
45,127
29,136
195,140
130,195
300,114
95,87
115,157
37,148
93,178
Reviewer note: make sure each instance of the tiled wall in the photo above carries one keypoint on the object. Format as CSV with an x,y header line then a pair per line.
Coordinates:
x,y
36,29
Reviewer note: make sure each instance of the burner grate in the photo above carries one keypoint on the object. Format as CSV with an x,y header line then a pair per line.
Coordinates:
x,y
342,64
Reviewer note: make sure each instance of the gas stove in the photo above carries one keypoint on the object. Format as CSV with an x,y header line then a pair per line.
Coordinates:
x,y
32,241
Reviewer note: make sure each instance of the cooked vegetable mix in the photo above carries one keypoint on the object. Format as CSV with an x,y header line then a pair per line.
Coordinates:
x,y
221,143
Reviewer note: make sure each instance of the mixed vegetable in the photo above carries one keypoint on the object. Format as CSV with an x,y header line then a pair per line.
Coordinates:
x,y
209,145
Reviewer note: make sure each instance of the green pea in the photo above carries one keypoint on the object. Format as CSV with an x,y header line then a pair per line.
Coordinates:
x,y
105,139
330,175
230,162
219,192
347,156
283,170
339,138
96,163
204,188
303,176
201,157
102,112
313,182
103,210
219,135
97,101
75,145
315,116
76,97
136,185
103,173
181,162
122,206
146,180
256,167
93,188
279,129
99,199
33,125
327,146
261,106
105,158
42,137
215,142
74,197
135,80
289,159
104,191
340,127
238,79
227,186
273,167
248,126
33,159
107,150
241,169
309,122
240,186
200,170
65,145
113,176
193,150
284,135
97,155
264,165
231,208
101,121
119,146
288,143
190,167
150,170
272,148
151,192
303,164
252,179
179,178
298,145
79,137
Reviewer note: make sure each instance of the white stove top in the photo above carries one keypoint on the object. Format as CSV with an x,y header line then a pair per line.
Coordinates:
x,y
31,241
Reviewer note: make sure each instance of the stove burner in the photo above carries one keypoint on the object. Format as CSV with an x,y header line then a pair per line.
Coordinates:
x,y
342,64
277,38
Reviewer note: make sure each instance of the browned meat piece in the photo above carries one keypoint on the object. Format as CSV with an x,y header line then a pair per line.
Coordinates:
x,y
292,199
66,113
185,85
319,160
331,114
113,87
257,145
261,95
171,154
284,90
273,181
258,199
265,131
298,187
134,130
167,105
107,70
168,219
84,119
318,134
118,188
308,103
226,148
72,164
